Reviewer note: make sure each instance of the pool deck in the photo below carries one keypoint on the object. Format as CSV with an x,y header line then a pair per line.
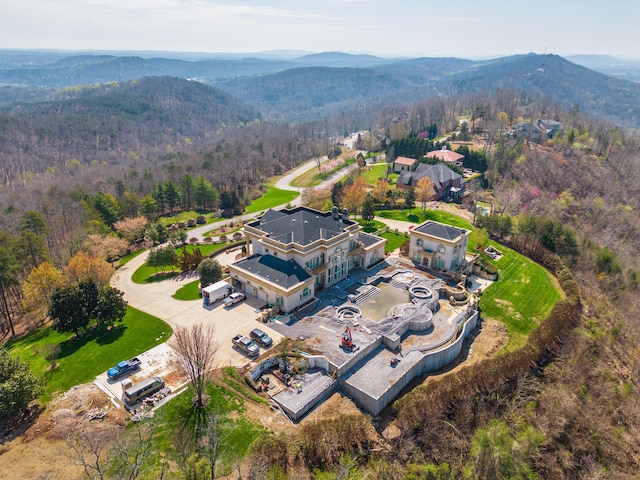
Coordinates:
x,y
372,374
304,391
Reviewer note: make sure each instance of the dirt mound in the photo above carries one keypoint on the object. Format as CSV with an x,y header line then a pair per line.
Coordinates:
x,y
82,404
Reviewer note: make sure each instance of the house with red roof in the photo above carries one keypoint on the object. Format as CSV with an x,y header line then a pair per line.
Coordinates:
x,y
446,155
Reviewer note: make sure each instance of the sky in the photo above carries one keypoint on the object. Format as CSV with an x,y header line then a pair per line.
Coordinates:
x,y
432,28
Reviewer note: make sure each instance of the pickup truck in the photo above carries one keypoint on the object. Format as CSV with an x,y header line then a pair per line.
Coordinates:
x,y
233,299
123,367
246,345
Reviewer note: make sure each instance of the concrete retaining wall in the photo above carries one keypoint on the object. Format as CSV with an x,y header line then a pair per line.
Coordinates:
x,y
445,355
430,361
312,403
357,357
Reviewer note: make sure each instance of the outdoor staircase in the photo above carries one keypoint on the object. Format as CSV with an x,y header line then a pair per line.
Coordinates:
x,y
400,285
372,292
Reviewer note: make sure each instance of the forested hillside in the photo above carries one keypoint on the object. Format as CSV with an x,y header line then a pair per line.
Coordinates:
x,y
305,93
107,122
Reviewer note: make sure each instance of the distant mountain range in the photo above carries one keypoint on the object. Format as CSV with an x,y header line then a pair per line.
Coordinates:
x,y
307,87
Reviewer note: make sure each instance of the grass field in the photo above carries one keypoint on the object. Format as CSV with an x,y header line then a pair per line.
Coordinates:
x,y
146,274
372,226
129,257
522,297
273,198
313,178
308,179
227,403
379,170
191,291
394,241
182,216
416,216
80,360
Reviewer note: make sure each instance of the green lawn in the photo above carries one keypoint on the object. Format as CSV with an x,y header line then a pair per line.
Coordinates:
x,y
80,360
239,431
416,215
191,291
308,179
273,198
146,274
182,216
371,226
522,297
394,241
129,257
373,173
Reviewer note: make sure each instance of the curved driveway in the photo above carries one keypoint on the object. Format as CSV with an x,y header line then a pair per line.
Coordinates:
x,y
157,298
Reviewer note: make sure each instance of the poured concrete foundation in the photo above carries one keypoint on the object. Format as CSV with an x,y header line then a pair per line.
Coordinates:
x,y
417,335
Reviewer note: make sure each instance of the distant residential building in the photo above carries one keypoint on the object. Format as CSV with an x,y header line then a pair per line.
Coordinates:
x,y
447,183
402,164
538,132
446,155
295,252
439,246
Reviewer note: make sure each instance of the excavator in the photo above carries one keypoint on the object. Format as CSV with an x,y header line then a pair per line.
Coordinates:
x,y
347,340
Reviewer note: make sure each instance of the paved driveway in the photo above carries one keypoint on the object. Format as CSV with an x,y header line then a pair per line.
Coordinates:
x,y
156,299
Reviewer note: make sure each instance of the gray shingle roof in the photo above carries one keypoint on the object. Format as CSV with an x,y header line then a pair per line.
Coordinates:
x,y
367,239
286,273
300,225
440,230
439,174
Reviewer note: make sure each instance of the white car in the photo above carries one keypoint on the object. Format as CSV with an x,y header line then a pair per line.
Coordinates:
x,y
233,299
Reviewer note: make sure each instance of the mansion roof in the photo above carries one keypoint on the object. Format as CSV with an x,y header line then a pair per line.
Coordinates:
x,y
301,225
286,273
440,230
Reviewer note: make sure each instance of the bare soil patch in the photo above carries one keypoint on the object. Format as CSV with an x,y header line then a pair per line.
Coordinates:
x,y
42,453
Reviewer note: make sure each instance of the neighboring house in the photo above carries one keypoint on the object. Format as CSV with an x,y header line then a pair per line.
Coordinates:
x,y
439,246
403,164
538,132
447,183
447,156
296,252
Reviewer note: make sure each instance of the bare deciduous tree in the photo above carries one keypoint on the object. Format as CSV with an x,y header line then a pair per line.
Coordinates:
x,y
91,448
133,451
195,350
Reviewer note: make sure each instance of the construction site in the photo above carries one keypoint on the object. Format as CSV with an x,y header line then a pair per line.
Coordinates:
x,y
367,337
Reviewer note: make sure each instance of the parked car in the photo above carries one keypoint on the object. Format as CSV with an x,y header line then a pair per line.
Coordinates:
x,y
123,367
233,299
261,338
246,345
